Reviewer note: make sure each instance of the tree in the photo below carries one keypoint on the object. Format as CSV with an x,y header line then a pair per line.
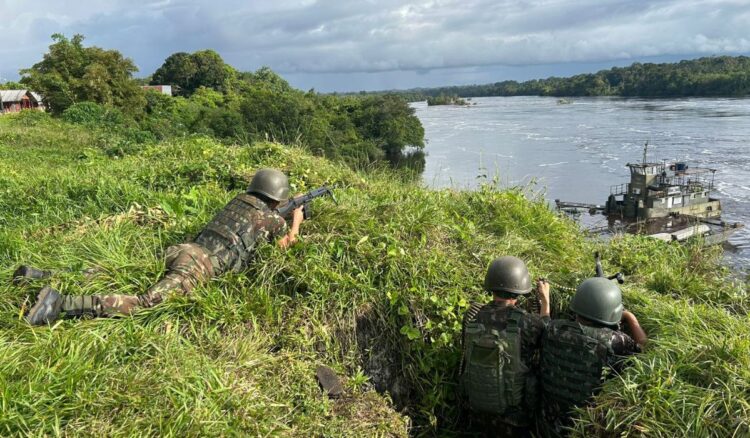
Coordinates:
x,y
10,85
266,78
178,70
71,73
188,72
389,121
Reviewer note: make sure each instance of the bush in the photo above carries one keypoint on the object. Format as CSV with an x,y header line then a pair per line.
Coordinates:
x,y
92,115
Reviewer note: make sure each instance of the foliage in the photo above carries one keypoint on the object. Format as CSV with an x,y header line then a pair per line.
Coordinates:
x,y
10,85
92,114
261,105
216,100
389,122
376,288
70,73
712,76
188,72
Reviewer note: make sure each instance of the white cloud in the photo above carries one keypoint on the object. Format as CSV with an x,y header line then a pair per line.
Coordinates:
x,y
326,36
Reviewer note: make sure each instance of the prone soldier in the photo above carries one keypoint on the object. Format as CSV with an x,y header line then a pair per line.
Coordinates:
x,y
225,244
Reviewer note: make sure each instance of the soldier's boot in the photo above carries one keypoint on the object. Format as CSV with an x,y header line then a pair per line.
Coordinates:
x,y
26,273
49,304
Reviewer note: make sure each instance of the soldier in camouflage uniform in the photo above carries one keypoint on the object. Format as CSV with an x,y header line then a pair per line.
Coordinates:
x,y
226,244
577,355
500,351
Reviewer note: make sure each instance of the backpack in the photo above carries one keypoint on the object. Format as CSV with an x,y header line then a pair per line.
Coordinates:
x,y
493,374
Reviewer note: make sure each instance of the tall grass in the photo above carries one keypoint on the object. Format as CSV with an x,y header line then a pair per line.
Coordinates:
x,y
376,287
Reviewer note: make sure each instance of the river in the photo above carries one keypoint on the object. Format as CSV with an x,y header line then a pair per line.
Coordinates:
x,y
574,151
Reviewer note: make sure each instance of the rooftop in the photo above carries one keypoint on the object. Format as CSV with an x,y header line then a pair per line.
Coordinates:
x,y
17,95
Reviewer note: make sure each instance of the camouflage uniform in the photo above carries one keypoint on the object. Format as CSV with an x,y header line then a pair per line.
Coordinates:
x,y
225,244
496,315
576,359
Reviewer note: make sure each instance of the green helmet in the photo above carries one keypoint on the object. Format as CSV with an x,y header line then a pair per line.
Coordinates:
x,y
508,274
598,299
271,183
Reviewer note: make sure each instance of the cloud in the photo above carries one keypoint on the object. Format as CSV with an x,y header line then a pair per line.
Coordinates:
x,y
366,36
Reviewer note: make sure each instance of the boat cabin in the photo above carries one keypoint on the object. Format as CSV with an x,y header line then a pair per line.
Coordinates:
x,y
662,189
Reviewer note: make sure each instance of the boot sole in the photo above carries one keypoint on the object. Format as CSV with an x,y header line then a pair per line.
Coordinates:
x,y
40,306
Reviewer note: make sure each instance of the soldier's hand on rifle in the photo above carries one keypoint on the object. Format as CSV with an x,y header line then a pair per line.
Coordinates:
x,y
297,217
542,289
631,322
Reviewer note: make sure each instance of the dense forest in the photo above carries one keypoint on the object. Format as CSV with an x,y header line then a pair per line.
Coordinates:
x,y
96,87
711,76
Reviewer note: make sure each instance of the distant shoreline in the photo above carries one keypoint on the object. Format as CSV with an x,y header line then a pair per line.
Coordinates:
x,y
714,77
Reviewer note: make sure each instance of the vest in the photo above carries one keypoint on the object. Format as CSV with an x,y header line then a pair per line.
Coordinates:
x,y
574,357
232,234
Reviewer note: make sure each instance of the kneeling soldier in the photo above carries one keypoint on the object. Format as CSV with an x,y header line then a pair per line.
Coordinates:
x,y
500,351
578,354
226,244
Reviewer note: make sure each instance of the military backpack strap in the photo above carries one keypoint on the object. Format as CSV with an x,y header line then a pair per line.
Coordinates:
x,y
515,372
469,316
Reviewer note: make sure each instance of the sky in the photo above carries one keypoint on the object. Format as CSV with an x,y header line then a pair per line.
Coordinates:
x,y
351,45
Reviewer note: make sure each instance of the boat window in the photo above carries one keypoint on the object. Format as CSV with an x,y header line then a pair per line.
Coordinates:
x,y
677,200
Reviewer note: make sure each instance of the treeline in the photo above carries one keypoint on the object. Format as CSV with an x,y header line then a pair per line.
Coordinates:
x,y
95,86
710,76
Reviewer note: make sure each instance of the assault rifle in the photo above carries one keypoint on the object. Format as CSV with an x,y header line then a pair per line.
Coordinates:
x,y
286,209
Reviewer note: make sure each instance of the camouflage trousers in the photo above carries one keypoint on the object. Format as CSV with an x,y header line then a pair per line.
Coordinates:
x,y
188,265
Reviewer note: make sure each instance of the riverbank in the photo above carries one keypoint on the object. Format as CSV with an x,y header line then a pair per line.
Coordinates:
x,y
375,289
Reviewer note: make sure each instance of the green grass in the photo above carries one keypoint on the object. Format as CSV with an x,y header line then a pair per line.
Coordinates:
x,y
376,287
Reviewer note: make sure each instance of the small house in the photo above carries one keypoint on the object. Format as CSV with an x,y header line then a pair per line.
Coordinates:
x,y
13,101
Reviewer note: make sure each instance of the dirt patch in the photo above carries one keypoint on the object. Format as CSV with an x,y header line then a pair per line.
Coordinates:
x,y
378,347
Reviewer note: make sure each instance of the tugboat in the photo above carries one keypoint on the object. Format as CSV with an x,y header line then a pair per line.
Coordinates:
x,y
667,201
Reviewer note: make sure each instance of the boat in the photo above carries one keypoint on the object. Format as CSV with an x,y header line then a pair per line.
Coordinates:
x,y
664,200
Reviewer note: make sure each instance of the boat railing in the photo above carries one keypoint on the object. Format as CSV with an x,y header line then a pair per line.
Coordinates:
x,y
619,189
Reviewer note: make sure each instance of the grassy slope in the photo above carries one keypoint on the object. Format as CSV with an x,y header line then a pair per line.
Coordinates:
x,y
239,355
